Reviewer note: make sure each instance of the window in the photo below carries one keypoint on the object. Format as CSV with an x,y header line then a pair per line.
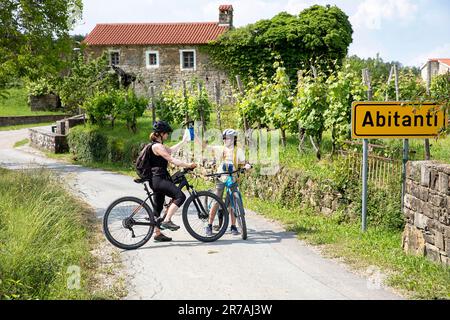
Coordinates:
x,y
114,57
152,59
187,60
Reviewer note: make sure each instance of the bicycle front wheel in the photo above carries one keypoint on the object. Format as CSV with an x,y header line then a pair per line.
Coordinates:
x,y
203,208
128,223
240,215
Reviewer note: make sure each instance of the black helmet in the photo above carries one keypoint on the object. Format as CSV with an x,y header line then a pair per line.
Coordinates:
x,y
162,126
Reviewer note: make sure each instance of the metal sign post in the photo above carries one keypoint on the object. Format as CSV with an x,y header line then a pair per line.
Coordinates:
x,y
366,79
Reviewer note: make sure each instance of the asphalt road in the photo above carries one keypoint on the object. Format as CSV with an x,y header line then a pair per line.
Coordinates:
x,y
271,264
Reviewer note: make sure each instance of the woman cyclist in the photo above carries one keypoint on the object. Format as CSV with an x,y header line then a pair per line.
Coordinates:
x,y
160,156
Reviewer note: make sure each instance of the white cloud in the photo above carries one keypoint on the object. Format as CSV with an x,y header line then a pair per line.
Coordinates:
x,y
442,51
371,13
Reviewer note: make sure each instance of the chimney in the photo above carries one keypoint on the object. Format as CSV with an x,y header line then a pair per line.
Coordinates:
x,y
226,15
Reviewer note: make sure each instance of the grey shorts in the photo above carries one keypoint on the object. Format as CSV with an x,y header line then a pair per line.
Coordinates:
x,y
220,187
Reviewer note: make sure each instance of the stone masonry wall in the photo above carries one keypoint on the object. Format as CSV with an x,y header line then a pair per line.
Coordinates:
x,y
427,210
48,141
47,102
132,59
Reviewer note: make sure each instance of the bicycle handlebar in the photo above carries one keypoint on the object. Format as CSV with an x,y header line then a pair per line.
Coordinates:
x,y
222,173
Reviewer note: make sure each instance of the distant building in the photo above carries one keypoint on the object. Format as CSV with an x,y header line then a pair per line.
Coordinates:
x,y
434,67
163,52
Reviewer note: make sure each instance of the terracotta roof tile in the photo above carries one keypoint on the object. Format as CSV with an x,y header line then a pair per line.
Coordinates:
x,y
154,33
226,7
445,61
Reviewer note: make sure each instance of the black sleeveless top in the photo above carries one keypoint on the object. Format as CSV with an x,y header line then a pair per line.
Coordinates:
x,y
159,164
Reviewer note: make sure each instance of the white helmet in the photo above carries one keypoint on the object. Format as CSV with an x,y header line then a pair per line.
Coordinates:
x,y
229,133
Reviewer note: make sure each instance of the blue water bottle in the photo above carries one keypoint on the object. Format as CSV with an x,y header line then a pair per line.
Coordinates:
x,y
191,130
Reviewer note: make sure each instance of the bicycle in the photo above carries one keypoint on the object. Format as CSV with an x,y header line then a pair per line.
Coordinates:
x,y
132,219
233,198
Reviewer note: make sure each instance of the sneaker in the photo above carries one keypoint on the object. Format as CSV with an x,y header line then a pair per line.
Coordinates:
x,y
162,238
216,227
169,225
234,231
208,231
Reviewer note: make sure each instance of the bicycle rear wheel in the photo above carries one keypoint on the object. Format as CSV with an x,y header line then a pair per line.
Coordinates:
x,y
196,213
240,215
128,223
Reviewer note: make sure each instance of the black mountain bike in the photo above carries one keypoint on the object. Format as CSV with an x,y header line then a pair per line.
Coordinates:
x,y
129,222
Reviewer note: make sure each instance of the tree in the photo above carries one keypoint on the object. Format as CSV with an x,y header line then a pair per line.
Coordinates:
x,y
85,78
34,39
317,34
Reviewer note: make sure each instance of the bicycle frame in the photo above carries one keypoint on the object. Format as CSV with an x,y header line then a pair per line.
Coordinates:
x,y
183,183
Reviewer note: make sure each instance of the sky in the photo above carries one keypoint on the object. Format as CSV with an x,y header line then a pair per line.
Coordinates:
x,y
408,31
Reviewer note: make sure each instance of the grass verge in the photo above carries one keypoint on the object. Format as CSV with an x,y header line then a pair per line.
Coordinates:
x,y
415,277
21,143
25,126
16,104
46,239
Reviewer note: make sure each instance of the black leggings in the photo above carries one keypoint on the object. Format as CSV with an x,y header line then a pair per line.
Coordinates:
x,y
163,187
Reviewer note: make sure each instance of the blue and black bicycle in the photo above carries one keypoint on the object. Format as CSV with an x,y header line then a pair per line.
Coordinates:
x,y
233,200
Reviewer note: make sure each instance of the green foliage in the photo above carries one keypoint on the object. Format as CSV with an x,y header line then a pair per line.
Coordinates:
x,y
41,87
128,106
251,104
310,104
344,87
34,37
93,144
410,87
317,34
278,99
173,106
440,90
87,144
84,80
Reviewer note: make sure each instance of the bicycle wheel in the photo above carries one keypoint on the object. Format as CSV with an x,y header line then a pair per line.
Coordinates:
x,y
240,215
196,213
128,223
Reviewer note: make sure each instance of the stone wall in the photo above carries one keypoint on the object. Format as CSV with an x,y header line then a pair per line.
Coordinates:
x,y
132,59
293,188
48,141
427,210
47,102
17,120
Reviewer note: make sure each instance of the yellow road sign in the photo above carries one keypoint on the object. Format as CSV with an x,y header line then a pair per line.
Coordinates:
x,y
396,120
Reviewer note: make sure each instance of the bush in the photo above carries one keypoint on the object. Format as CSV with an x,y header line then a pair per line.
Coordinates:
x,y
118,104
88,144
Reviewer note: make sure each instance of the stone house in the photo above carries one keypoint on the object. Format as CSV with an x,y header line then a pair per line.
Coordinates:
x,y
434,67
160,53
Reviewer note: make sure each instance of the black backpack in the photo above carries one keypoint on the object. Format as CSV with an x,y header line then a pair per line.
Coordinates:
x,y
143,163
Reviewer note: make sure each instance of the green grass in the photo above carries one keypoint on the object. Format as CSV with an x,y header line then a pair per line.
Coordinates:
x,y
16,104
21,143
416,277
24,126
43,232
